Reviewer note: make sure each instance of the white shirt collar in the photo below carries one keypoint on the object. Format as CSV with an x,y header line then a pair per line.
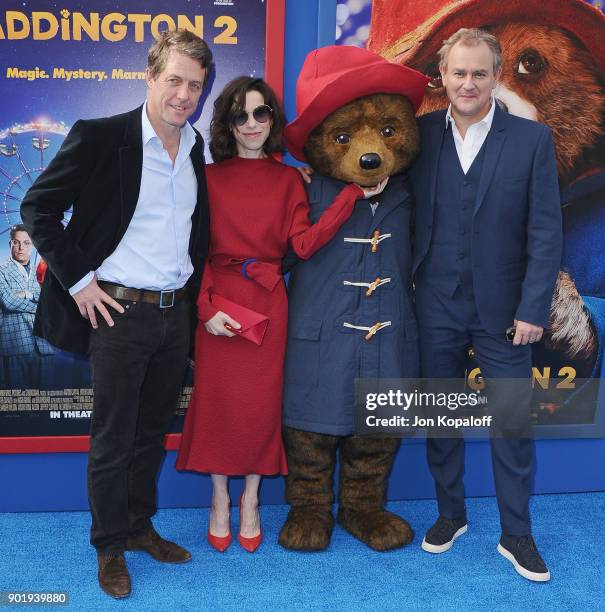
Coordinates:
x,y
486,121
187,132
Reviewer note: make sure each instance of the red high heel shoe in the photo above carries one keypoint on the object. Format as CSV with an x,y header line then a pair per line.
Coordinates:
x,y
220,543
249,544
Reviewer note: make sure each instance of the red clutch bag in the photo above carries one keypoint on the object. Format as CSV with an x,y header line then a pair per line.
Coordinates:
x,y
253,324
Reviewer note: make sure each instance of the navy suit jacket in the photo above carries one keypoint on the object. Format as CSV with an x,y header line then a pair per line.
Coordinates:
x,y
516,237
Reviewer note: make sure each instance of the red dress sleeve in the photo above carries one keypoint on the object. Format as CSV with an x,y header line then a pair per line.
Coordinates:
x,y
305,238
205,309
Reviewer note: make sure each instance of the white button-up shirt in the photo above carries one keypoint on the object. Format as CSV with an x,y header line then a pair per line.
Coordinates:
x,y
468,147
154,251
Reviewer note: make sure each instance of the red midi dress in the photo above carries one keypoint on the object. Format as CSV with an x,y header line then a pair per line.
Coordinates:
x,y
258,210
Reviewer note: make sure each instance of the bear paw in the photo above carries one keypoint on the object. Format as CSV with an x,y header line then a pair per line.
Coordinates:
x,y
307,528
571,330
379,529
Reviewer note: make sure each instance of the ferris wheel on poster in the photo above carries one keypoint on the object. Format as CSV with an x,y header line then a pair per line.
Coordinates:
x,y
25,151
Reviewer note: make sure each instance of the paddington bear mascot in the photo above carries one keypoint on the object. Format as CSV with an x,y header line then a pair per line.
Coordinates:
x,y
351,313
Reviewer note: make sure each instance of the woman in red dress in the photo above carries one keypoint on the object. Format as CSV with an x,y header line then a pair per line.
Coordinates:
x,y
258,211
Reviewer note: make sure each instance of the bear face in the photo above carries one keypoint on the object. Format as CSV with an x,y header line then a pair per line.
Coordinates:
x,y
366,140
548,70
547,76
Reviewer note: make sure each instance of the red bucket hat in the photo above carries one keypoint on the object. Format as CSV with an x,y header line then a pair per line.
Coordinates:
x,y
404,30
334,76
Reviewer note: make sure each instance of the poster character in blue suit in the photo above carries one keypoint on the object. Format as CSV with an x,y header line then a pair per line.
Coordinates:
x,y
27,358
486,256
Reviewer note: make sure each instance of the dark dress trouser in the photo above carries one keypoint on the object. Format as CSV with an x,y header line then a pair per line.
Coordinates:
x,y
138,369
449,325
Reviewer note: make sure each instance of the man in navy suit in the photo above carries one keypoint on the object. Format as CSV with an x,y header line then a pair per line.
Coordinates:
x,y
487,253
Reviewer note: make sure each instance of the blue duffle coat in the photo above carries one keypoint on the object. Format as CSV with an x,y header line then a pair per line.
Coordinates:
x,y
324,354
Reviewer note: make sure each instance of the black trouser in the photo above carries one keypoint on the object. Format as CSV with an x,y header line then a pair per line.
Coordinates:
x,y
138,369
448,326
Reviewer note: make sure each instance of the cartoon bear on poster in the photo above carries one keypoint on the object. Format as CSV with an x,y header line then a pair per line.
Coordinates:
x,y
553,71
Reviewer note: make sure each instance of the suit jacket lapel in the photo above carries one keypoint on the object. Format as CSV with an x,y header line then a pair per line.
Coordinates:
x,y
199,215
434,145
493,147
131,167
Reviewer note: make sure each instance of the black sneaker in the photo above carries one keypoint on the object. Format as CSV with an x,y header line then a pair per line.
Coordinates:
x,y
521,551
440,537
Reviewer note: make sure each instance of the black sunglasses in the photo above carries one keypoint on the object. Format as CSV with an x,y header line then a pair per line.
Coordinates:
x,y
261,114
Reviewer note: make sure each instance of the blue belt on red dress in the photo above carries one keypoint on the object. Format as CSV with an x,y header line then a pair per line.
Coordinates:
x,y
267,274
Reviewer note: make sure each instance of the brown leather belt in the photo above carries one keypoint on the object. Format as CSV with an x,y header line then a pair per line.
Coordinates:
x,y
164,299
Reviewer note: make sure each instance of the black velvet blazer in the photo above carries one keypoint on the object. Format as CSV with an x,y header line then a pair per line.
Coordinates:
x,y
98,171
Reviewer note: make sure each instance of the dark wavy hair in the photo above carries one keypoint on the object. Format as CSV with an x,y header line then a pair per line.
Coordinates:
x,y
232,100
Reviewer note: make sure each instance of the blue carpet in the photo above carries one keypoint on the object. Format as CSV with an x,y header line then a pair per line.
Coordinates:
x,y
49,551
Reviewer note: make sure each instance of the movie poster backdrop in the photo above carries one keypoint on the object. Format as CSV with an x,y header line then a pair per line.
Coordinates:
x,y
59,62
63,61
553,71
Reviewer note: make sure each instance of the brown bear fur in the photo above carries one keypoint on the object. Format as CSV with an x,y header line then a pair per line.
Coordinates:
x,y
362,121
571,330
365,462
566,93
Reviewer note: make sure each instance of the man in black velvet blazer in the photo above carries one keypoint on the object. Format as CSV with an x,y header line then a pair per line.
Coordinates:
x,y
121,283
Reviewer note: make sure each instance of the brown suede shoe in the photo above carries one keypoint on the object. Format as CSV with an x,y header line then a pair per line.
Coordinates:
x,y
161,550
114,578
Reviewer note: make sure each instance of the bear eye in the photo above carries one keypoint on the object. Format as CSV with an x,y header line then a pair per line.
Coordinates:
x,y
388,131
530,62
343,139
432,71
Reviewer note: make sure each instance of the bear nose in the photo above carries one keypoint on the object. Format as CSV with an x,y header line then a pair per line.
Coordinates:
x,y
370,161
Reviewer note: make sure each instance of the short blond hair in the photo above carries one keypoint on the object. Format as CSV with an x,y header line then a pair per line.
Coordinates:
x,y
183,41
471,37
